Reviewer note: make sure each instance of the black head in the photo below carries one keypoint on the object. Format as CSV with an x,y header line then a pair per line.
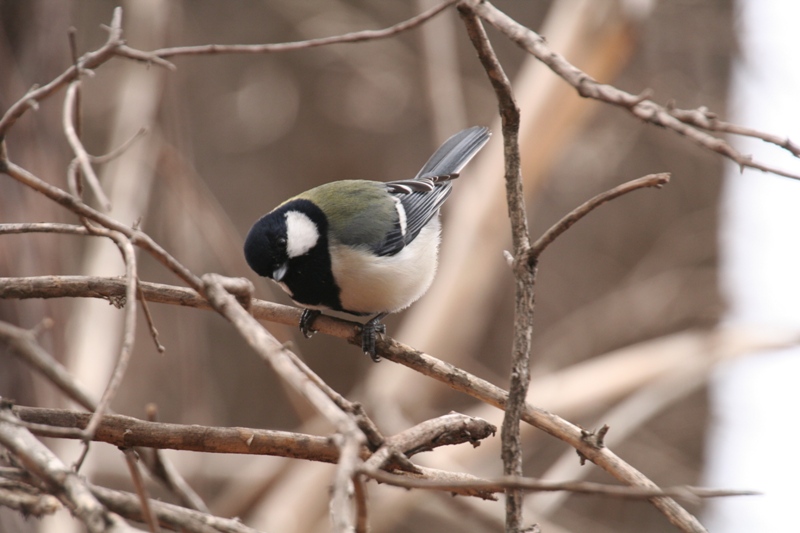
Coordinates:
x,y
290,246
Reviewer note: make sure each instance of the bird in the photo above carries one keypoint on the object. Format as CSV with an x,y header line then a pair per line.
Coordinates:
x,y
359,246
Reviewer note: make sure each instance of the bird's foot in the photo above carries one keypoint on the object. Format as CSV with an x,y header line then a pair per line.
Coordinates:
x,y
369,333
306,321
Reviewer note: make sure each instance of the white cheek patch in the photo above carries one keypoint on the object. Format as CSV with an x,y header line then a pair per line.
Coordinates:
x,y
401,215
301,234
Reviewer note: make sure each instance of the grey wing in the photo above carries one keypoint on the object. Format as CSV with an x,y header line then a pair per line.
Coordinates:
x,y
420,198
418,207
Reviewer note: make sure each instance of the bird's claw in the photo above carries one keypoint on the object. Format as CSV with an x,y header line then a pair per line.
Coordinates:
x,y
369,333
306,321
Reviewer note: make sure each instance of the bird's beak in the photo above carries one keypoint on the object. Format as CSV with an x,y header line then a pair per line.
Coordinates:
x,y
280,272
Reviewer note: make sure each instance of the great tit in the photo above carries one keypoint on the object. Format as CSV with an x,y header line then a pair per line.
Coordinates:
x,y
358,246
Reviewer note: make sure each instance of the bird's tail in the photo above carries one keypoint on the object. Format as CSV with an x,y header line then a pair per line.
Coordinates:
x,y
454,154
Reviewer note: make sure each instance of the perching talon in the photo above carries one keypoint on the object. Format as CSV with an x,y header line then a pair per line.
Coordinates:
x,y
306,322
369,332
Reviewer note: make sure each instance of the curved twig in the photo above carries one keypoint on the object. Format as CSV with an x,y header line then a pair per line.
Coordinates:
x,y
354,37
651,180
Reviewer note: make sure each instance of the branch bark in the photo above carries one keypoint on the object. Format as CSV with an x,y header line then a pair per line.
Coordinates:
x,y
65,483
524,271
685,123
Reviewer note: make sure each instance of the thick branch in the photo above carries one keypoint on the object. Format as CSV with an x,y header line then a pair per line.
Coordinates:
x,y
129,432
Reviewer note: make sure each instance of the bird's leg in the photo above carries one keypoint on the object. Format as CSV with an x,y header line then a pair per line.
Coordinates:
x,y
306,320
368,333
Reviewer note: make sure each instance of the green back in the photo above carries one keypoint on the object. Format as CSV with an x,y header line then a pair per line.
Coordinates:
x,y
360,212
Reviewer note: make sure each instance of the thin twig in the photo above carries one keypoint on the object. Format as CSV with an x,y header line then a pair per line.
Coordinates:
x,y
685,492
453,428
23,342
703,118
141,490
149,318
119,150
354,37
173,516
129,332
651,180
362,510
43,227
87,61
128,256
76,114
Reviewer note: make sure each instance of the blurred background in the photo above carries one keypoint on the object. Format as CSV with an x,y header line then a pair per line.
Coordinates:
x,y
624,299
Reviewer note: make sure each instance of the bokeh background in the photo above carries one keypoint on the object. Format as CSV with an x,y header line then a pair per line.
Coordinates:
x,y
230,136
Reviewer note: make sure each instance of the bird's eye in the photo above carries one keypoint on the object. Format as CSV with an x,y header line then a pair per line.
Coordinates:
x,y
282,241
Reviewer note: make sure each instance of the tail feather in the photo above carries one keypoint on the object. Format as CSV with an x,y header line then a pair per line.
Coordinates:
x,y
455,153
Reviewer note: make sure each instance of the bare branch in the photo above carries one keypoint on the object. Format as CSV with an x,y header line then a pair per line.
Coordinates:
x,y
81,155
149,318
173,516
484,391
425,364
141,490
641,106
524,272
29,503
129,334
78,207
360,496
703,118
114,288
119,150
42,227
354,37
87,61
128,432
453,428
686,492
651,180
41,462
24,344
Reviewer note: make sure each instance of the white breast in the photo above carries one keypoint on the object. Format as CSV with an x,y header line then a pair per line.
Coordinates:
x,y
372,285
